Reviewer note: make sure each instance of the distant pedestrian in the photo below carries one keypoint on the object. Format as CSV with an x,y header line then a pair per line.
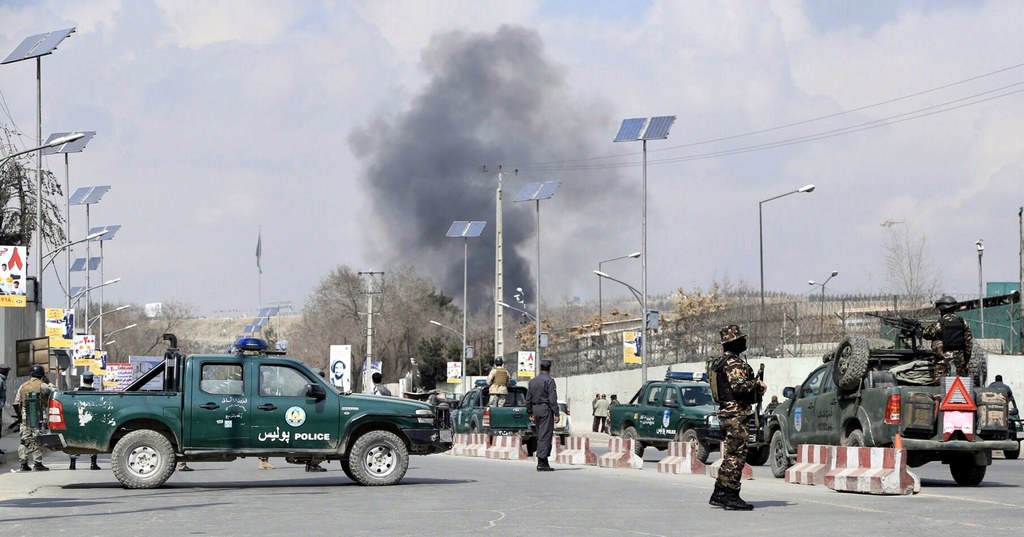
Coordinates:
x,y
601,413
497,381
1009,393
378,388
86,386
3,397
611,402
593,404
542,406
771,406
32,418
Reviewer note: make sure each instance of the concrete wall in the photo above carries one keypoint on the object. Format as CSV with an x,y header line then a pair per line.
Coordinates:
x,y
579,390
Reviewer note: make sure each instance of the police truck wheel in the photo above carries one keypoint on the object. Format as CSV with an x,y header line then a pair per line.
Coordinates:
x,y
638,446
966,472
690,435
855,439
347,468
143,460
759,456
1012,454
977,367
378,458
779,457
851,362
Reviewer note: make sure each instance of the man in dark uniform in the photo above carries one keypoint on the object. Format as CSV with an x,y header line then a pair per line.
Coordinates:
x,y
737,390
951,339
86,386
542,404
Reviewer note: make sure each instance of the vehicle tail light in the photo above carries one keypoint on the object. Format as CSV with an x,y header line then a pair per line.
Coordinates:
x,y
487,417
56,415
892,410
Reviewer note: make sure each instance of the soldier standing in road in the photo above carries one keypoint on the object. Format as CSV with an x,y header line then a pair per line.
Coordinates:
x,y
4,370
736,389
498,381
542,404
951,339
86,386
30,425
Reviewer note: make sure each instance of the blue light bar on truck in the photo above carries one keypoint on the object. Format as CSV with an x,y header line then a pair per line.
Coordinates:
x,y
686,375
250,344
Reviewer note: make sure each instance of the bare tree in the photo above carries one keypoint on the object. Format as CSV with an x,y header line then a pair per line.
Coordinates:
x,y
909,268
18,199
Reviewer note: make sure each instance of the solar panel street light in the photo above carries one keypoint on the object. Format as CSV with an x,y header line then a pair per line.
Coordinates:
x,y
466,230
106,233
536,192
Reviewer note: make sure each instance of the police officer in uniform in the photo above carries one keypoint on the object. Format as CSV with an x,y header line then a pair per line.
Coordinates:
x,y
951,339
30,425
542,404
497,379
737,390
86,386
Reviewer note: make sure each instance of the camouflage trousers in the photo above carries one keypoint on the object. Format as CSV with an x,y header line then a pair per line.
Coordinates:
x,y
30,446
734,451
952,363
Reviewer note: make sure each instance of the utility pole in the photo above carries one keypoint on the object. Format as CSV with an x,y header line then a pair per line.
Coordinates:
x,y
499,289
375,281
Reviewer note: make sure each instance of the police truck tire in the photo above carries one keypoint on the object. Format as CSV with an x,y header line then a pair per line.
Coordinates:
x,y
1012,454
758,456
378,458
851,362
690,435
638,446
347,468
966,472
855,439
778,457
143,459
977,367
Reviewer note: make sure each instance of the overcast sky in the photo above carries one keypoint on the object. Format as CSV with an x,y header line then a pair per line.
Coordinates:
x,y
355,132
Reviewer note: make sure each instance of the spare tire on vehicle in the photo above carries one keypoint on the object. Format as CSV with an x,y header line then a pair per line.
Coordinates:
x,y
851,362
977,367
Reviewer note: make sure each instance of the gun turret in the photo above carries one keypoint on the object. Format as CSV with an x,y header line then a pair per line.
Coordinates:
x,y
909,329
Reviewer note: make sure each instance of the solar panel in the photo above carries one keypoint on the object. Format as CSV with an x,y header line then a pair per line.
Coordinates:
x,y
79,264
38,45
658,128
111,231
87,195
272,311
261,322
248,329
475,228
75,291
537,191
263,313
631,129
463,228
70,147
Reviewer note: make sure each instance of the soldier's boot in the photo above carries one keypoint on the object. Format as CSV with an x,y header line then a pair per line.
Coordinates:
x,y
39,467
718,496
265,465
733,502
72,465
544,466
94,466
25,467
315,468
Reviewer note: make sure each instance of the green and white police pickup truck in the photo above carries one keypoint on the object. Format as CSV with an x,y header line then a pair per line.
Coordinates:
x,y
679,408
868,392
472,414
248,404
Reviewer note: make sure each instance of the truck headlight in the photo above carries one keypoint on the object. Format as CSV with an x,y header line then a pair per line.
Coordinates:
x,y
712,421
425,416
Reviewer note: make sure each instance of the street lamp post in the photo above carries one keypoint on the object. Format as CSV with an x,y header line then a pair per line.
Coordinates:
x,y
643,341
88,323
822,284
536,192
600,267
78,296
464,229
760,234
129,327
980,244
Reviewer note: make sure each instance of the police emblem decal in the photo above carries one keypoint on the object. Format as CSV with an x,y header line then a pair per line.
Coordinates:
x,y
666,418
796,417
295,416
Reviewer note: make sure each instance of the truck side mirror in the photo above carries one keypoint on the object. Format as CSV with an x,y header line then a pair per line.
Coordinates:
x,y
671,403
316,391
789,392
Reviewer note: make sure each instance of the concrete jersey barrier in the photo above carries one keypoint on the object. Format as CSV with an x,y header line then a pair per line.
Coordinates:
x,y
871,470
576,451
620,455
508,448
681,459
812,463
470,445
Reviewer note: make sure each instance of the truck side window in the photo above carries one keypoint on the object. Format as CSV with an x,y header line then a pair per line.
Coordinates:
x,y
652,395
813,384
281,381
670,395
221,379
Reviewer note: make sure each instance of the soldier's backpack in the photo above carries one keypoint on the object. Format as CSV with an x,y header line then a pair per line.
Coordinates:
x,y
716,370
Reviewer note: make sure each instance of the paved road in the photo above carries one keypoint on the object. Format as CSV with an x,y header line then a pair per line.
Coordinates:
x,y
454,496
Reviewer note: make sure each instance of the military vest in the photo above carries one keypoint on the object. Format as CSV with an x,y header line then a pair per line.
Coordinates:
x,y
952,334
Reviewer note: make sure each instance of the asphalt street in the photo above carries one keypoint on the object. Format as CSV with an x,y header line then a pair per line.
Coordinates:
x,y
444,495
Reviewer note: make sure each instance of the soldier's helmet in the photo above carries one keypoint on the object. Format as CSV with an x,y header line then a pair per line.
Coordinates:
x,y
946,303
498,361
37,371
731,333
87,377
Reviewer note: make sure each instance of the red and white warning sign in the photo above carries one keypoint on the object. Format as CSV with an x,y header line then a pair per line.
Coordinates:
x,y
958,398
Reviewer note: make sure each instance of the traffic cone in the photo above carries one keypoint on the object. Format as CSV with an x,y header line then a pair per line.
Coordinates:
x,y
897,441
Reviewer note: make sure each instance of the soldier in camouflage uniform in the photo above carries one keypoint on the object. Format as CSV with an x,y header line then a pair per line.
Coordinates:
x,y
951,339
737,389
30,425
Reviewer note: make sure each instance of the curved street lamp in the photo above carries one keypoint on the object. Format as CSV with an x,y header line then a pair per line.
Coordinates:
x,y
822,284
760,233
980,244
600,309
78,296
513,308
129,327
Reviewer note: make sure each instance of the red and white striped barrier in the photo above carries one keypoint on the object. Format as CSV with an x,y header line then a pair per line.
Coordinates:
x,y
871,470
712,470
681,459
812,463
620,455
507,448
470,445
576,451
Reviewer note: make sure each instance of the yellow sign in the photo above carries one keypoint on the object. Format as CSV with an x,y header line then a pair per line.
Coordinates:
x,y
12,277
631,347
454,372
60,325
85,346
527,364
